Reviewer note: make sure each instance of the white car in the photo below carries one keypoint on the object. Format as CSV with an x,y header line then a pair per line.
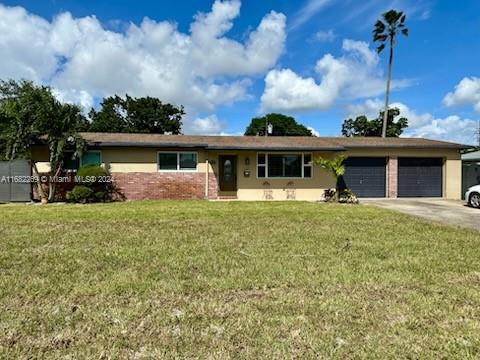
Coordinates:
x,y
473,196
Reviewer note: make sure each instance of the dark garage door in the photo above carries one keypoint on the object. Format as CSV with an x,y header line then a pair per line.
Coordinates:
x,y
420,177
11,190
365,176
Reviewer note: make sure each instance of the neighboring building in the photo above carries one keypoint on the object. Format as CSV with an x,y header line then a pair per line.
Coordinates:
x,y
470,170
150,166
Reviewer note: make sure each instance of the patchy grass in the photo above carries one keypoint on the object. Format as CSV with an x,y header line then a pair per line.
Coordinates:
x,y
235,280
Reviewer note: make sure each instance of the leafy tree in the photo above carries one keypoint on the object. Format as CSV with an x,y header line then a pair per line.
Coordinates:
x,y
31,115
361,126
136,115
282,126
385,30
110,118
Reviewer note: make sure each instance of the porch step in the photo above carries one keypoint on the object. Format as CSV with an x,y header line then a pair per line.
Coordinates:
x,y
227,197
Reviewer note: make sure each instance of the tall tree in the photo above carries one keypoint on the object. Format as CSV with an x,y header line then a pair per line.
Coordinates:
x,y
31,115
361,126
385,31
136,115
282,126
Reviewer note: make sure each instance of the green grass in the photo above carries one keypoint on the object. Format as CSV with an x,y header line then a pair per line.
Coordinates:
x,y
235,280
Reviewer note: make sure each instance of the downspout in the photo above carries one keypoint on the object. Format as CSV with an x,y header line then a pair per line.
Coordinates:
x,y
206,177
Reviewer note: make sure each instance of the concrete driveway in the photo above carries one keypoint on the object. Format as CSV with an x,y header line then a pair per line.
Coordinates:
x,y
440,210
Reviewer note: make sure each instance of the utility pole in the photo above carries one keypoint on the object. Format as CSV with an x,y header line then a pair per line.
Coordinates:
x,y
478,134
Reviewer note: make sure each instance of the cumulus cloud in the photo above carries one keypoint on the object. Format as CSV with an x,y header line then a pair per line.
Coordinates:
x,y
467,92
209,125
83,60
356,74
425,125
314,132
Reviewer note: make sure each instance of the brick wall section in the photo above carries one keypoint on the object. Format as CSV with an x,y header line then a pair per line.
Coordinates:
x,y
165,185
212,186
392,177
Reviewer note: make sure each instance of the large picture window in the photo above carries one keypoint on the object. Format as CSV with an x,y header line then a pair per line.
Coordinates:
x,y
284,165
177,161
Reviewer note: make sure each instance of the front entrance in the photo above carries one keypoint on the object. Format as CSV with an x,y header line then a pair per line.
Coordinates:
x,y
228,172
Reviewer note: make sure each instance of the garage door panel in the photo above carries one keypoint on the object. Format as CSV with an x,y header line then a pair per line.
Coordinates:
x,y
420,177
365,176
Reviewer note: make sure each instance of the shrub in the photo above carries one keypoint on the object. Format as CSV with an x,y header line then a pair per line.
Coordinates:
x,y
81,194
91,171
348,196
96,179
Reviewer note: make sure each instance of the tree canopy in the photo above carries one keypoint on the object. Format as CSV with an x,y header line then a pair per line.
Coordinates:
x,y
29,115
136,115
361,126
282,126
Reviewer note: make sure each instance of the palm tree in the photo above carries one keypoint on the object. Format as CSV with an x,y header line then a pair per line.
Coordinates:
x,y
335,167
386,29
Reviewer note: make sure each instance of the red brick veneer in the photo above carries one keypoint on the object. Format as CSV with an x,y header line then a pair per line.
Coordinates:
x,y
165,185
392,177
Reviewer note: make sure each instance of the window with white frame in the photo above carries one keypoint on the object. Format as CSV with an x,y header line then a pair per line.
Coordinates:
x,y
273,165
177,161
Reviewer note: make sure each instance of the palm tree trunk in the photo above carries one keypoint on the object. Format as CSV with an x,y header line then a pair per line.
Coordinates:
x,y
387,94
41,193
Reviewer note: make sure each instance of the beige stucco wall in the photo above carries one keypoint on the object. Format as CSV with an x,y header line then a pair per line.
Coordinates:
x,y
141,159
251,188
41,157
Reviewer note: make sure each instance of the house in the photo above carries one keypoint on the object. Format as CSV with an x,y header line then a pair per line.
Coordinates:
x,y
470,170
152,166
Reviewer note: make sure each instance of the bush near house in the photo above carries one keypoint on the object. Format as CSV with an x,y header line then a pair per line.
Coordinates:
x,y
94,185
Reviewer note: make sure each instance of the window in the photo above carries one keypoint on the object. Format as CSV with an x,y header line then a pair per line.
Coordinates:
x,y
284,165
173,161
261,165
188,161
307,165
91,158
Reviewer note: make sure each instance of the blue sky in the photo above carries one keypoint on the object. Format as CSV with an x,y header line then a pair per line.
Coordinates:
x,y
312,59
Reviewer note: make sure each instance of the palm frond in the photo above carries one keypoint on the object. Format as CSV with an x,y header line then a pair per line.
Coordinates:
x,y
380,48
380,37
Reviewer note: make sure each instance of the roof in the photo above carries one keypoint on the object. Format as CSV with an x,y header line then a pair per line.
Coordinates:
x,y
471,156
291,143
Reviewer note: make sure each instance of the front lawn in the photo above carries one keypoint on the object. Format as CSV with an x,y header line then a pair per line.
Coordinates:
x,y
235,280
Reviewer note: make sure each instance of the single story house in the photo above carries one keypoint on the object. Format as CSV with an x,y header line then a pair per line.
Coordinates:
x,y
152,166
470,170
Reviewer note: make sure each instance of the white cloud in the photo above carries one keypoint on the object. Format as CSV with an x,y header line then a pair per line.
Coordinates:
x,y
209,125
356,74
314,132
325,36
425,125
467,92
83,60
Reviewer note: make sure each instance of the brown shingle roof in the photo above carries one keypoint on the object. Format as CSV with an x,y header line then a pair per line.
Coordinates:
x,y
258,142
